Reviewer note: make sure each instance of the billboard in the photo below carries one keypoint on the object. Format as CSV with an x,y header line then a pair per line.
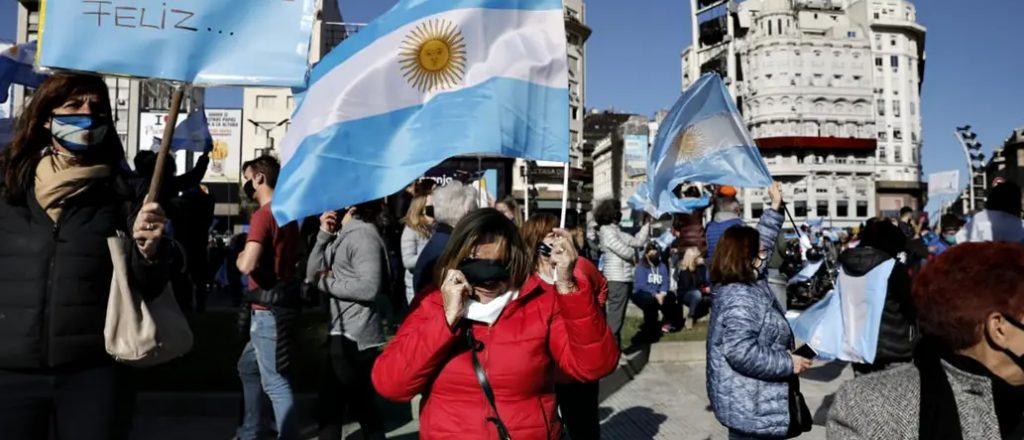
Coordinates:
x,y
635,154
226,130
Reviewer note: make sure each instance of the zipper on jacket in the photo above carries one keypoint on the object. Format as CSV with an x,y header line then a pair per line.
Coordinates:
x,y
49,293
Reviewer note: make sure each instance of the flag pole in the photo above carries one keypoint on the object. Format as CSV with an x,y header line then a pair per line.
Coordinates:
x,y
165,144
565,194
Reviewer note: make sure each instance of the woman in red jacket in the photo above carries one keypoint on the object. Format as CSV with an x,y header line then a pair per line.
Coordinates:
x,y
577,401
522,330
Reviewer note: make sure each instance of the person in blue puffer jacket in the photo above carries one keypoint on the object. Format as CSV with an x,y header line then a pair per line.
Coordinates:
x,y
749,365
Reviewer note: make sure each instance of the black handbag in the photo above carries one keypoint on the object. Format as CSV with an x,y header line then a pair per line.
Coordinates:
x,y
474,347
800,418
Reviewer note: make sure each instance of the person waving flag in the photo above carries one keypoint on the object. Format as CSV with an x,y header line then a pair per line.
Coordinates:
x,y
428,80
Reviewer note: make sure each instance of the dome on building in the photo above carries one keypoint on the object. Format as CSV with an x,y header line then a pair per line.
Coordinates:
x,y
773,6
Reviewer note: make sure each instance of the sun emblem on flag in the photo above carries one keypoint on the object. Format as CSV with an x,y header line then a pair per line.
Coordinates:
x,y
433,56
689,144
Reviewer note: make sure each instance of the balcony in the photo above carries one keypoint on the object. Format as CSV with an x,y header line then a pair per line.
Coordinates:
x,y
574,25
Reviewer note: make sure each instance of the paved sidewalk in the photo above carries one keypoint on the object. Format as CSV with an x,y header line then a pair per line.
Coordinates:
x,y
669,401
666,401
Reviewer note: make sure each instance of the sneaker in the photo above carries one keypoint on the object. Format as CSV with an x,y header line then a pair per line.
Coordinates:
x,y
666,328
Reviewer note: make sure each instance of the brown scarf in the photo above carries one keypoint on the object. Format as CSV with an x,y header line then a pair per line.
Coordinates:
x,y
58,178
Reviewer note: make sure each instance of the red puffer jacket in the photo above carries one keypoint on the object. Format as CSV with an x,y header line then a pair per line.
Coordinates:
x,y
537,333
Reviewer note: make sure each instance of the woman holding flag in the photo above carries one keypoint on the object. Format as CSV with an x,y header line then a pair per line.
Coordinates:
x,y
64,192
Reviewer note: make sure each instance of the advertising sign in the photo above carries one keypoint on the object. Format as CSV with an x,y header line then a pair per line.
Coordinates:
x,y
221,42
226,130
635,153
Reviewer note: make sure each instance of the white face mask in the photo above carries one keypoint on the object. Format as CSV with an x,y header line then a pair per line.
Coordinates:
x,y
488,313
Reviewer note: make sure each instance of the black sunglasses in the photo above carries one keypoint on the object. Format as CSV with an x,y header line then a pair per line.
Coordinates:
x,y
1013,321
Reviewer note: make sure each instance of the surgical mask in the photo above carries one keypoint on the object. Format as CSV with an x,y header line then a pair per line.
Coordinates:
x,y
79,133
250,190
488,313
951,239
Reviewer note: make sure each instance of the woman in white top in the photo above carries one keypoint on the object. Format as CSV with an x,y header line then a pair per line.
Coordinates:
x,y
419,226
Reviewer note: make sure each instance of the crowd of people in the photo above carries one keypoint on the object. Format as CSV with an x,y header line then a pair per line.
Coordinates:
x,y
504,325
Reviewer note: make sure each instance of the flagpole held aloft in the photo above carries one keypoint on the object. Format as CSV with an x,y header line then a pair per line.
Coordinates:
x,y
165,144
565,194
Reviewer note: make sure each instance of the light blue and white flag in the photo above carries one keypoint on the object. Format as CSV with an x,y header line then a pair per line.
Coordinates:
x,y
16,67
703,139
845,324
192,134
667,202
426,81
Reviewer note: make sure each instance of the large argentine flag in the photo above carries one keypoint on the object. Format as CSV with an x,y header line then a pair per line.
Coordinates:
x,y
702,139
428,80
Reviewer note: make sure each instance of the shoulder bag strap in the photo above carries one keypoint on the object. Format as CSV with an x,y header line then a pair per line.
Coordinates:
x,y
481,376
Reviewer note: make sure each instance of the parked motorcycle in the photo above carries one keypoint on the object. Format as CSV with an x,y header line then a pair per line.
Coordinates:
x,y
811,283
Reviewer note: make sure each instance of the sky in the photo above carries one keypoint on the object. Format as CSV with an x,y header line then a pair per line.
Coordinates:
x,y
972,75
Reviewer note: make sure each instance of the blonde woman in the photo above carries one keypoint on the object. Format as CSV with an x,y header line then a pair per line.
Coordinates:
x,y
418,228
692,284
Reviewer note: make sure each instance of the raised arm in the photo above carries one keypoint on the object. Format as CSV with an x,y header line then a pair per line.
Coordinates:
x,y
362,279
741,317
423,343
580,341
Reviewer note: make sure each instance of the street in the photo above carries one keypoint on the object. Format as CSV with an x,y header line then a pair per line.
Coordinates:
x,y
666,401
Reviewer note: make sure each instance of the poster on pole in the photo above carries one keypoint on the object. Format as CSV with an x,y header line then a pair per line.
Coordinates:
x,y
635,152
226,131
944,183
208,42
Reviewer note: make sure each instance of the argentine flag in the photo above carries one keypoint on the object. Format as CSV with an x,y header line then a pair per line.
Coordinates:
x,y
702,139
428,80
16,67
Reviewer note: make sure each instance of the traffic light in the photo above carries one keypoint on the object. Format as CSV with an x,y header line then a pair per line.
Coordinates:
x,y
973,147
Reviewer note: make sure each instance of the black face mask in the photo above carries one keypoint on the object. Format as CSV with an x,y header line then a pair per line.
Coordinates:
x,y
249,190
1016,358
483,273
544,249
429,211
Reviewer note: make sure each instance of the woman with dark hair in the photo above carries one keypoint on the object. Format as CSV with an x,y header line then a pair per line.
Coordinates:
x,y
967,379
749,340
65,190
497,328
651,293
619,251
577,401
350,264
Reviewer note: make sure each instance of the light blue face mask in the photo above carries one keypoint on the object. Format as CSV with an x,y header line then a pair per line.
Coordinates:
x,y
79,133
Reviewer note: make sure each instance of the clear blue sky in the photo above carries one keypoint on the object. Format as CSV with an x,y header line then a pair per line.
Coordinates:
x,y
972,74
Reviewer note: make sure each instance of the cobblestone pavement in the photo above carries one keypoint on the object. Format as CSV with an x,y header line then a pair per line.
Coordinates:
x,y
669,401
666,401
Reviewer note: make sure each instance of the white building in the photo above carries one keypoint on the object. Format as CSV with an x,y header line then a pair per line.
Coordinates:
x,y
268,110
546,177
834,115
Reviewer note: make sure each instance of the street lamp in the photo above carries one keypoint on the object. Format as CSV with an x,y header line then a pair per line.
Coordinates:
x,y
269,146
975,158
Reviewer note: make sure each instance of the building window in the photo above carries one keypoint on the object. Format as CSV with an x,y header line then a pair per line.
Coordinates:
x,y
883,136
881,107
820,190
862,209
756,209
822,208
800,208
882,156
913,137
892,41
573,39
878,61
897,135
574,112
851,34
877,16
894,61
266,101
898,157
574,138
290,102
574,64
896,108
842,208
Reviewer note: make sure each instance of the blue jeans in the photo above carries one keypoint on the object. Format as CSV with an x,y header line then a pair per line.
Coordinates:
x,y
257,367
692,299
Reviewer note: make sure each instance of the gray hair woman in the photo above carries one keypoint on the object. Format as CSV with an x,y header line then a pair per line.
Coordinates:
x,y
967,379
450,204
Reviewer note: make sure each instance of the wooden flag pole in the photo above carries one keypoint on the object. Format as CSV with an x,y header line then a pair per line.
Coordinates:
x,y
165,145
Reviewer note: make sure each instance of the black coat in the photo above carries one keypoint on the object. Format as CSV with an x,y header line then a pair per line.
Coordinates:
x,y
55,277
